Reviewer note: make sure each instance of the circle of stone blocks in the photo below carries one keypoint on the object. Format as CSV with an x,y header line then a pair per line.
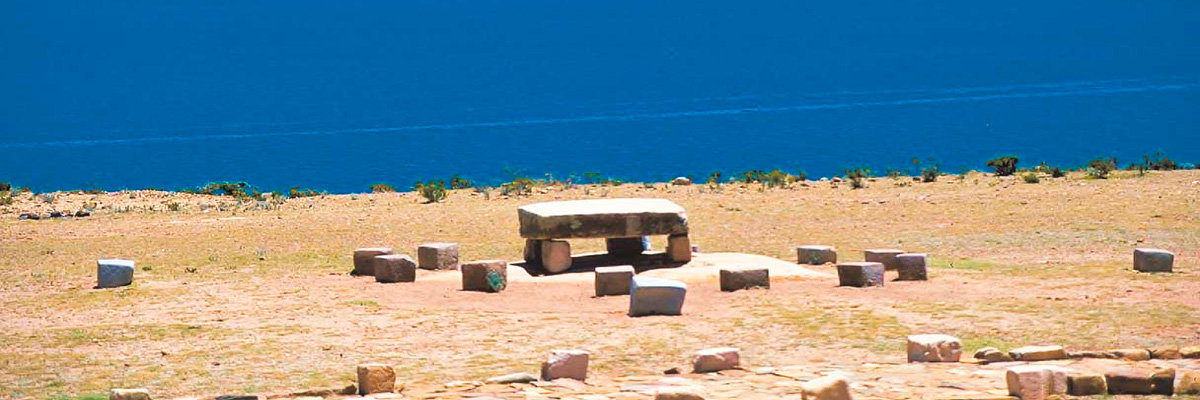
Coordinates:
x,y
656,296
485,276
556,255
392,268
715,359
1080,384
364,260
113,273
614,281
887,257
1036,382
129,394
911,267
679,248
815,254
1140,380
1153,260
376,378
834,387
1038,353
571,364
626,246
738,278
438,256
860,274
934,348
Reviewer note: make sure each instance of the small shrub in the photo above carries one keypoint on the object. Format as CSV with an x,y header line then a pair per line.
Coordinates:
x,y
591,177
714,178
929,174
894,174
5,187
1004,166
6,199
1100,167
1031,177
174,206
858,177
382,188
777,178
1055,172
457,182
432,191
517,187
236,189
1159,163
297,192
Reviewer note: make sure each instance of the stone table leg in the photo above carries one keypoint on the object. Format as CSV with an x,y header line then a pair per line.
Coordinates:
x,y
679,248
533,251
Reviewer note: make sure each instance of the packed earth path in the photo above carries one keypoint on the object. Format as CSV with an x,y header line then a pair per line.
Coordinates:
x,y
233,298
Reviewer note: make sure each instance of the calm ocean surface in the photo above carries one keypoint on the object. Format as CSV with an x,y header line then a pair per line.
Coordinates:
x,y
339,95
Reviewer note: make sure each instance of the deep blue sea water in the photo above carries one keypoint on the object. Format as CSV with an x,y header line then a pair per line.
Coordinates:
x,y
339,95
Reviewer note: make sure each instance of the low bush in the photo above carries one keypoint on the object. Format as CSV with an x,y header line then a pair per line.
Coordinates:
x,y
1031,177
297,192
1004,166
714,178
457,182
1101,167
432,191
382,188
929,174
5,187
858,177
517,187
239,190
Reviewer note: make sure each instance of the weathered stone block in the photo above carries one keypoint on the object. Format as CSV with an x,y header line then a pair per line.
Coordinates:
x,y
934,348
887,257
911,267
533,251
1189,382
113,273
1080,384
815,254
625,246
485,276
834,387
438,256
572,364
614,281
390,268
376,378
364,260
129,394
654,296
860,274
679,393
1153,260
1165,353
556,255
738,278
681,181
679,248
1190,352
715,359
519,377
602,218
1140,380
1036,382
1038,353
992,355
1131,354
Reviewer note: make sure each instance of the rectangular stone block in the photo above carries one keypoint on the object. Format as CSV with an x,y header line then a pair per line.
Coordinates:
x,y
570,364
438,256
738,278
113,273
129,394
376,378
934,348
887,257
911,267
654,296
614,281
556,255
1080,384
625,246
391,268
485,276
364,260
602,218
679,248
1140,380
1036,382
715,359
860,274
1153,260
815,255
1038,353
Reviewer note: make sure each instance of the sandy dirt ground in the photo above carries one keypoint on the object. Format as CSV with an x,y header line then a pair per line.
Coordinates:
x,y
256,298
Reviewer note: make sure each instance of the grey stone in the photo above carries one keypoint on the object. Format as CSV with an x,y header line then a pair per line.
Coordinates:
x,y
520,377
1038,353
1080,384
614,281
715,359
934,348
655,296
602,218
860,274
485,276
911,267
113,273
738,278
681,181
438,256
129,394
391,268
887,257
835,387
815,254
364,260
679,248
555,255
1153,260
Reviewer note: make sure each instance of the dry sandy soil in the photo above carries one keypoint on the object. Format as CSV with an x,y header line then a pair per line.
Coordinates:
x,y
230,298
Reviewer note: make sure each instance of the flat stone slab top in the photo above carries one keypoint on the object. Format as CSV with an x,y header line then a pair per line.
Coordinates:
x,y
602,218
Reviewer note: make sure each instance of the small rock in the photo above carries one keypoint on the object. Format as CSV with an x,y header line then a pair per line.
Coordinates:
x,y
613,281
715,359
1038,353
571,364
520,377
113,273
1152,260
681,181
376,378
739,278
982,351
860,274
1079,384
995,356
1190,352
678,393
1165,353
129,394
672,371
82,213
1189,382
1131,354
826,388
436,256
934,348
